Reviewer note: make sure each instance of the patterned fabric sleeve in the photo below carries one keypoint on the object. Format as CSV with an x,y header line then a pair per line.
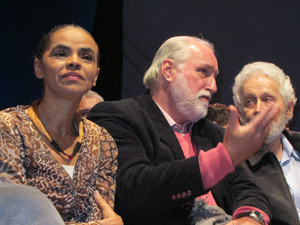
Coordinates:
x,y
105,183
16,138
106,179
11,169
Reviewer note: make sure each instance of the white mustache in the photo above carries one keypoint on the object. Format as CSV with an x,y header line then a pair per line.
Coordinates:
x,y
204,93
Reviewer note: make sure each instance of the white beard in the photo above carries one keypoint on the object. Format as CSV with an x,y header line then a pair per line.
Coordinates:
x,y
276,128
186,102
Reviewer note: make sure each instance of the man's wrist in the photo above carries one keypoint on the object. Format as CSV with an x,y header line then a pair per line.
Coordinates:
x,y
253,214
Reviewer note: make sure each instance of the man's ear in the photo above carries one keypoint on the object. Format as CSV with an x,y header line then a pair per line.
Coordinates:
x,y
290,110
96,78
37,69
167,69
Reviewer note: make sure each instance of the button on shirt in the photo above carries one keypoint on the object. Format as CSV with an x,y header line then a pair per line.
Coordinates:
x,y
290,164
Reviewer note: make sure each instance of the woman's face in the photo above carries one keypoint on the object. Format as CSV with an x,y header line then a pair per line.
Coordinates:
x,y
69,64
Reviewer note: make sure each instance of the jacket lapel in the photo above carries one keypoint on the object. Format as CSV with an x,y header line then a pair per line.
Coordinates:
x,y
166,133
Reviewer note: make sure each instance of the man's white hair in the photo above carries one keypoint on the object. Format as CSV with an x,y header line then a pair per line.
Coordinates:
x,y
93,94
270,70
176,48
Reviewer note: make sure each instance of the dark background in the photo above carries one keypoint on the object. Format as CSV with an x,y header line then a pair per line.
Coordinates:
x,y
129,32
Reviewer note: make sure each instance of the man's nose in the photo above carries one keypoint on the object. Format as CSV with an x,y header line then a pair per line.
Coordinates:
x,y
211,84
258,107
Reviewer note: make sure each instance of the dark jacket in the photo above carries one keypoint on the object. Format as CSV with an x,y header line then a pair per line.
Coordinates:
x,y
152,167
265,169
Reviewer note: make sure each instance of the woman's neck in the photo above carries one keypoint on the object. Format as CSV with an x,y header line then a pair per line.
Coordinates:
x,y
58,116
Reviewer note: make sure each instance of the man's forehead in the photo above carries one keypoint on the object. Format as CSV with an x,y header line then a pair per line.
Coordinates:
x,y
205,61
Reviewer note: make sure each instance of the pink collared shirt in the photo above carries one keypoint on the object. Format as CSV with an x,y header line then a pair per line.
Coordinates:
x,y
211,173
215,163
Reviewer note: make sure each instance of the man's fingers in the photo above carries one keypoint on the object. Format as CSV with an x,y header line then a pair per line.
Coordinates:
x,y
234,117
242,142
264,118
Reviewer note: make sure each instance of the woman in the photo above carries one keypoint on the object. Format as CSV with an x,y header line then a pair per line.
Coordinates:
x,y
48,146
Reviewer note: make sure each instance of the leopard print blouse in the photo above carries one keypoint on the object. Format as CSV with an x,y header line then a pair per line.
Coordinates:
x,y
25,158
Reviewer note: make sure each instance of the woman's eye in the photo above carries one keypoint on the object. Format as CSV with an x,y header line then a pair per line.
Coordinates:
x,y
60,54
87,57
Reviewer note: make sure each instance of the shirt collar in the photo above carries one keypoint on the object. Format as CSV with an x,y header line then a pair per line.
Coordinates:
x,y
288,150
182,129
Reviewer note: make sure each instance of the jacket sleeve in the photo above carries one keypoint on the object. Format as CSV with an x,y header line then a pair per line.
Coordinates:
x,y
239,190
247,193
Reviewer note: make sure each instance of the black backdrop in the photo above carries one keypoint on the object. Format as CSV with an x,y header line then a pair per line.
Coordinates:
x,y
129,32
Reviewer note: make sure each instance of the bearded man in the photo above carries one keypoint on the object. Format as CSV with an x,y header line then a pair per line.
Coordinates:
x,y
169,154
276,166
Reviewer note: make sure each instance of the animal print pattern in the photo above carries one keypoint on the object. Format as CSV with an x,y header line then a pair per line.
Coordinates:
x,y
25,158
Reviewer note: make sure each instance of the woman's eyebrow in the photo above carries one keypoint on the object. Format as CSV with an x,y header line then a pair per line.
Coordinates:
x,y
61,46
65,47
87,49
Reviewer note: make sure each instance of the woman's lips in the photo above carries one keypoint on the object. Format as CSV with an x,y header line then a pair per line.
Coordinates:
x,y
73,76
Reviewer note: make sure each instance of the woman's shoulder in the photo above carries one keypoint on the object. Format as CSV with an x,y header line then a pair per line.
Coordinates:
x,y
12,121
98,133
13,114
94,128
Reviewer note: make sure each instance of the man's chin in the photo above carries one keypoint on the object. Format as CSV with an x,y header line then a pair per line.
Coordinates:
x,y
200,115
275,132
271,138
273,135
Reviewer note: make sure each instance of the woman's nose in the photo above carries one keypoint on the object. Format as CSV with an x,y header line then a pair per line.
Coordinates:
x,y
74,62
